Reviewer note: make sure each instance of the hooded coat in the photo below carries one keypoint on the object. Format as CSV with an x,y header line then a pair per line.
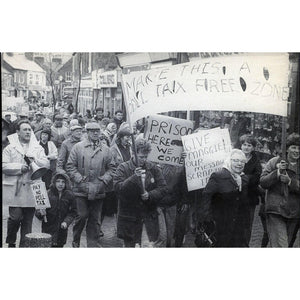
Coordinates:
x,y
63,209
16,186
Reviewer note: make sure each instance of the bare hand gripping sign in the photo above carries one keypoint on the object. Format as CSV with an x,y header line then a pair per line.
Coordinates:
x,y
256,83
206,152
165,134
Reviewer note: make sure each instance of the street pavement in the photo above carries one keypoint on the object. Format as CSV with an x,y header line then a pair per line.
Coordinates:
x,y
110,239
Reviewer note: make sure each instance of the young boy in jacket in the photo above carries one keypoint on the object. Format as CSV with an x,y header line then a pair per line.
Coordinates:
x,y
62,211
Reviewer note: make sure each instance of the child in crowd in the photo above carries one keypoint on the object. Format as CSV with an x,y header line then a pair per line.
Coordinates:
x,y
62,211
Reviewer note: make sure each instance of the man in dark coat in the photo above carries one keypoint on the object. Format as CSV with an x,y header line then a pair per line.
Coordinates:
x,y
139,187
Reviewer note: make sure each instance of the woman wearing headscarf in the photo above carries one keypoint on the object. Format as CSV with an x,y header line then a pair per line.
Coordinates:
x,y
51,153
225,201
253,170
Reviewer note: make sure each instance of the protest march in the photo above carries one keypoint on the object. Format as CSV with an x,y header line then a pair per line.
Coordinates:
x,y
202,152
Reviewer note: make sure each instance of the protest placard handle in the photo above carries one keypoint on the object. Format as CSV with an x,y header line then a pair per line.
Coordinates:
x,y
284,186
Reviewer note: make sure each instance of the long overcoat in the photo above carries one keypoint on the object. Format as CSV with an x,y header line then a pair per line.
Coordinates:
x,y
16,186
90,170
224,203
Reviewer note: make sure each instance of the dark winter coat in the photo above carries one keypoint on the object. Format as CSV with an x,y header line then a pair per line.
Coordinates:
x,y
177,187
253,170
276,202
228,207
131,209
63,209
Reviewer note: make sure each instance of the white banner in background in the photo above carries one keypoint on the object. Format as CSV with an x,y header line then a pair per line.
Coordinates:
x,y
255,83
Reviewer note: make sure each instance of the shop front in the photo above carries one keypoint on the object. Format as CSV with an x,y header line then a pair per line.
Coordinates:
x,y
107,91
85,96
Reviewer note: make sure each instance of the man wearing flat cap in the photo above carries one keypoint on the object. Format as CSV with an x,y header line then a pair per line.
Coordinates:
x,y
281,179
38,123
67,145
90,167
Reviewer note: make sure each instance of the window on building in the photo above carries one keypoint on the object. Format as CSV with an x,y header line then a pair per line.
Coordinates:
x,y
21,77
68,76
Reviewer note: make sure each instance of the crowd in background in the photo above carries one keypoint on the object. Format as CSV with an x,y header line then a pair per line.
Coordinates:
x,y
92,172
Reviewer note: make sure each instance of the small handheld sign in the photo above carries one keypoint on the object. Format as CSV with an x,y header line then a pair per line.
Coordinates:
x,y
40,195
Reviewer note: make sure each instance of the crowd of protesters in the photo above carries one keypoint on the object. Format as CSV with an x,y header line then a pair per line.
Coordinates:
x,y
94,172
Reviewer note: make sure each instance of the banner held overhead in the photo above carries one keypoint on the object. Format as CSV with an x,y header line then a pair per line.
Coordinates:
x,y
255,83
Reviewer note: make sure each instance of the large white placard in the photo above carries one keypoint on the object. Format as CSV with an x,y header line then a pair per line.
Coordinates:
x,y
165,133
256,83
206,152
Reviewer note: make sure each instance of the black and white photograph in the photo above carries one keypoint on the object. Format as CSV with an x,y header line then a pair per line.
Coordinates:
x,y
150,149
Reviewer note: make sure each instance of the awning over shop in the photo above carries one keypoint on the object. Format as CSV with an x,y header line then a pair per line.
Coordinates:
x,y
33,93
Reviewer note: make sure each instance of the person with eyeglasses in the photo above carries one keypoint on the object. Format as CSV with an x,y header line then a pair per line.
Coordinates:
x,y
225,202
90,166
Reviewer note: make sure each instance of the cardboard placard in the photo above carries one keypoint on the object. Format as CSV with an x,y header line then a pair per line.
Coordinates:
x,y
206,152
165,134
40,194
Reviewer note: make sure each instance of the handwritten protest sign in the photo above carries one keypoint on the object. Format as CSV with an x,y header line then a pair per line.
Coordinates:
x,y
40,195
165,133
256,83
206,152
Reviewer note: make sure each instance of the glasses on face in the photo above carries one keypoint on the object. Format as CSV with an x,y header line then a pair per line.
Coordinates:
x,y
94,130
238,161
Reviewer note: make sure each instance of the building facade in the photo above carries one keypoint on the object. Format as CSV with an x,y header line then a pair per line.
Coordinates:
x,y
27,79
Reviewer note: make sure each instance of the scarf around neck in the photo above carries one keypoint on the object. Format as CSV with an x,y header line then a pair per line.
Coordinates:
x,y
237,177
